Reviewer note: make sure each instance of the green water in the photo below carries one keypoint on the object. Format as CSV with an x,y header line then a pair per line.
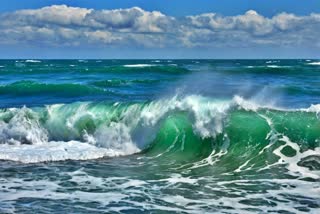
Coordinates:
x,y
173,136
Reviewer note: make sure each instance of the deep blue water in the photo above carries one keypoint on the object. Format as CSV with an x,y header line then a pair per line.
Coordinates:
x,y
294,83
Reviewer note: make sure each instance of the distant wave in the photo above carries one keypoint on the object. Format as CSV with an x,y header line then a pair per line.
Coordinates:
x,y
32,61
271,61
299,90
28,88
121,82
268,66
139,65
76,68
275,66
314,63
266,69
166,69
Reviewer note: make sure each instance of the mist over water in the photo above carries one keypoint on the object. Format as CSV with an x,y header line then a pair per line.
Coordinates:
x,y
179,136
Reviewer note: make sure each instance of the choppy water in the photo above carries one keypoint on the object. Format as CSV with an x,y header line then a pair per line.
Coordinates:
x,y
161,136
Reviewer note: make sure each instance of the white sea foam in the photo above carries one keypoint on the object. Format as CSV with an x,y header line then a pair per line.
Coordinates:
x,y
252,105
245,104
255,104
314,63
47,189
293,162
139,65
115,192
57,151
176,178
274,66
32,61
313,108
23,127
268,66
272,61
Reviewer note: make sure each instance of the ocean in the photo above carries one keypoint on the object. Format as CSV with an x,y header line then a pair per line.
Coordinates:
x,y
159,136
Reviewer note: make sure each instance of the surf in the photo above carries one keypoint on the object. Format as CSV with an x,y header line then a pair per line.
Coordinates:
x,y
237,134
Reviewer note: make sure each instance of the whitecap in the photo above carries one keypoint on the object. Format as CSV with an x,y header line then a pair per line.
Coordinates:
x,y
139,65
314,63
271,61
32,61
274,66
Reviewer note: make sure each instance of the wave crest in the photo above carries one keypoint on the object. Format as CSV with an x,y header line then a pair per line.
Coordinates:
x,y
123,129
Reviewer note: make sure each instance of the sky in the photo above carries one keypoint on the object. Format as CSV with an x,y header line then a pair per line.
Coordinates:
x,y
160,29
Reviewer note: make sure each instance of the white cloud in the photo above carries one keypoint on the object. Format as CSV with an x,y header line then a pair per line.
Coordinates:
x,y
60,25
128,20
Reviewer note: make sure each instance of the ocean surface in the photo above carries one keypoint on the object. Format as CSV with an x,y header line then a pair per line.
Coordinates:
x,y
159,136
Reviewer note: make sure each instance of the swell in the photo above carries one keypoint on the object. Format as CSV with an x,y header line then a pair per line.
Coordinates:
x,y
296,90
165,69
273,70
29,88
122,82
187,129
77,68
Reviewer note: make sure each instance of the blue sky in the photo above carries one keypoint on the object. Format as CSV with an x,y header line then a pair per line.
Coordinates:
x,y
160,29
180,7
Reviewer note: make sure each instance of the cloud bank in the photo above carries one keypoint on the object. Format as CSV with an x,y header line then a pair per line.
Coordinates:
x,y
63,26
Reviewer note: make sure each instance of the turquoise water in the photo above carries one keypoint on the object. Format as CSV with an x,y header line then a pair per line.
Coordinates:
x,y
160,136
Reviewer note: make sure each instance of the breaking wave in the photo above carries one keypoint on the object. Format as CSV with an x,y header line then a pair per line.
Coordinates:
x,y
191,128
